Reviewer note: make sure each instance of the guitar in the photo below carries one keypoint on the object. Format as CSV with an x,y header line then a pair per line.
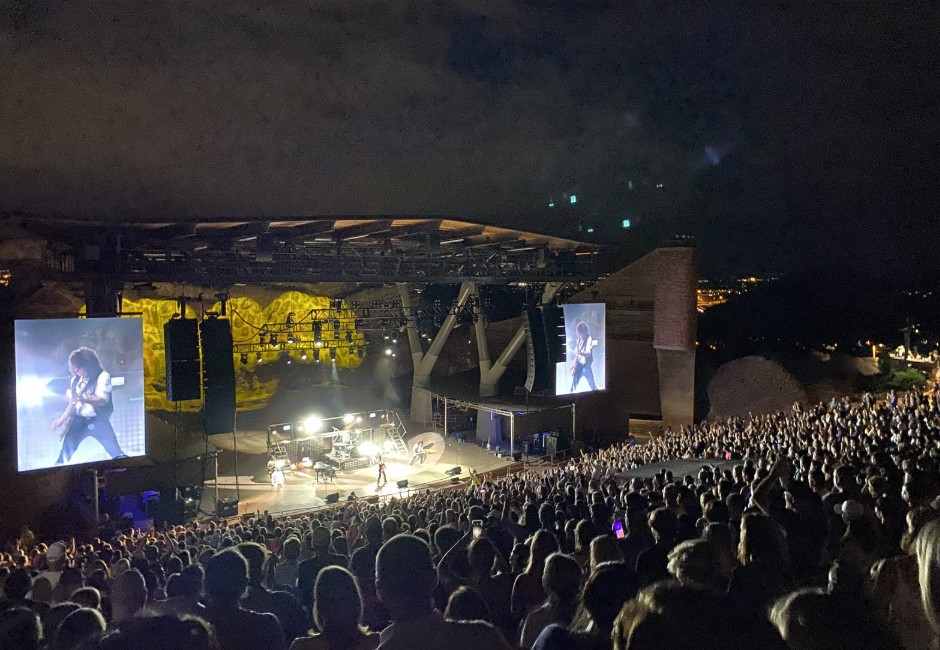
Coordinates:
x,y
65,420
582,352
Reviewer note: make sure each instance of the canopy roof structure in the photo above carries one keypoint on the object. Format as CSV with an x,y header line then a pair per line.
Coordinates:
x,y
310,249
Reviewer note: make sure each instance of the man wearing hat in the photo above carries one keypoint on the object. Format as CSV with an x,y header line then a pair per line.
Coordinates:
x,y
55,562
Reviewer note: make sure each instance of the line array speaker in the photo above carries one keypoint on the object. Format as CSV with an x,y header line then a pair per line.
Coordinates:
x,y
218,375
181,354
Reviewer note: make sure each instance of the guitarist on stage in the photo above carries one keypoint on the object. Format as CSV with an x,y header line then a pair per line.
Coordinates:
x,y
583,358
90,407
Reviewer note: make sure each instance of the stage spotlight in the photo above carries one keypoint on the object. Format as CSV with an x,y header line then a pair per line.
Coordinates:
x,y
388,352
259,358
303,355
244,359
333,355
371,415
274,340
349,337
262,338
368,449
317,332
30,390
318,357
358,419
336,325
312,424
290,319
349,418
290,339
388,445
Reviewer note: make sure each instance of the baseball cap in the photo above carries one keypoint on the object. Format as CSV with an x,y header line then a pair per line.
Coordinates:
x,y
56,551
850,509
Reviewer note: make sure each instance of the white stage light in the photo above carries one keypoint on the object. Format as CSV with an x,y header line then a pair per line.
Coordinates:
x,y
368,449
30,390
349,419
312,424
388,445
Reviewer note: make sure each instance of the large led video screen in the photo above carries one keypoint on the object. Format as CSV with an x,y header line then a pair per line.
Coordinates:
x,y
79,391
584,367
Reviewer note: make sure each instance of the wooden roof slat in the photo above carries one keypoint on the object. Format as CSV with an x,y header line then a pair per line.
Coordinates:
x,y
364,229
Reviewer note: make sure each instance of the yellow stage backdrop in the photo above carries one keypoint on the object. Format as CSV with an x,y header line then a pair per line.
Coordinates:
x,y
253,388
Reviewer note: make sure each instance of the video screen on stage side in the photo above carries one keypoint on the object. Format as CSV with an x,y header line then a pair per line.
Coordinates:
x,y
584,367
79,391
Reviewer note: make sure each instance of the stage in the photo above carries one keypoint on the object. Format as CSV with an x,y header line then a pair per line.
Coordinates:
x,y
302,491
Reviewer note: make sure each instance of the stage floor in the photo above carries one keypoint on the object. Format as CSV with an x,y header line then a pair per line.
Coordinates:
x,y
302,492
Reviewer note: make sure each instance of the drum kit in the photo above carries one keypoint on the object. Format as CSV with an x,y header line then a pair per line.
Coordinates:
x,y
345,445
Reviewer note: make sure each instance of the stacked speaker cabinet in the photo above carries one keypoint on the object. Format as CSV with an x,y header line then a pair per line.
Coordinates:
x,y
181,353
218,375
545,343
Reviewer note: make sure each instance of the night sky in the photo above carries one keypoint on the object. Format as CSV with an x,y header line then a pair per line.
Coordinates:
x,y
783,135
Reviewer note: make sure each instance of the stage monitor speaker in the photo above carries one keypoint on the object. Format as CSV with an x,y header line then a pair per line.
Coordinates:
x,y
517,456
227,507
181,354
402,484
453,471
218,375
332,498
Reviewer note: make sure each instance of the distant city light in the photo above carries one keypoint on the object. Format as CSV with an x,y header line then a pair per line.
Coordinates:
x,y
551,204
574,198
659,186
625,223
590,231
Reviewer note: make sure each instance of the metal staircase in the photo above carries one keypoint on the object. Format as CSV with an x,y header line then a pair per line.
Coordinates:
x,y
393,434
280,455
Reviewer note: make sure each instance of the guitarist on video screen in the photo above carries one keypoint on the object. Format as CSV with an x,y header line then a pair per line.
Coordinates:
x,y
583,358
90,407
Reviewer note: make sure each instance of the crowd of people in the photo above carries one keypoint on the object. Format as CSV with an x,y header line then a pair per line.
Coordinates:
x,y
809,529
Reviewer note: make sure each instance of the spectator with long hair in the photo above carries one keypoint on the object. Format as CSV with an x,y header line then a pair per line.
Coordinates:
x,y
337,615
927,548
764,574
527,591
608,588
895,588
562,583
